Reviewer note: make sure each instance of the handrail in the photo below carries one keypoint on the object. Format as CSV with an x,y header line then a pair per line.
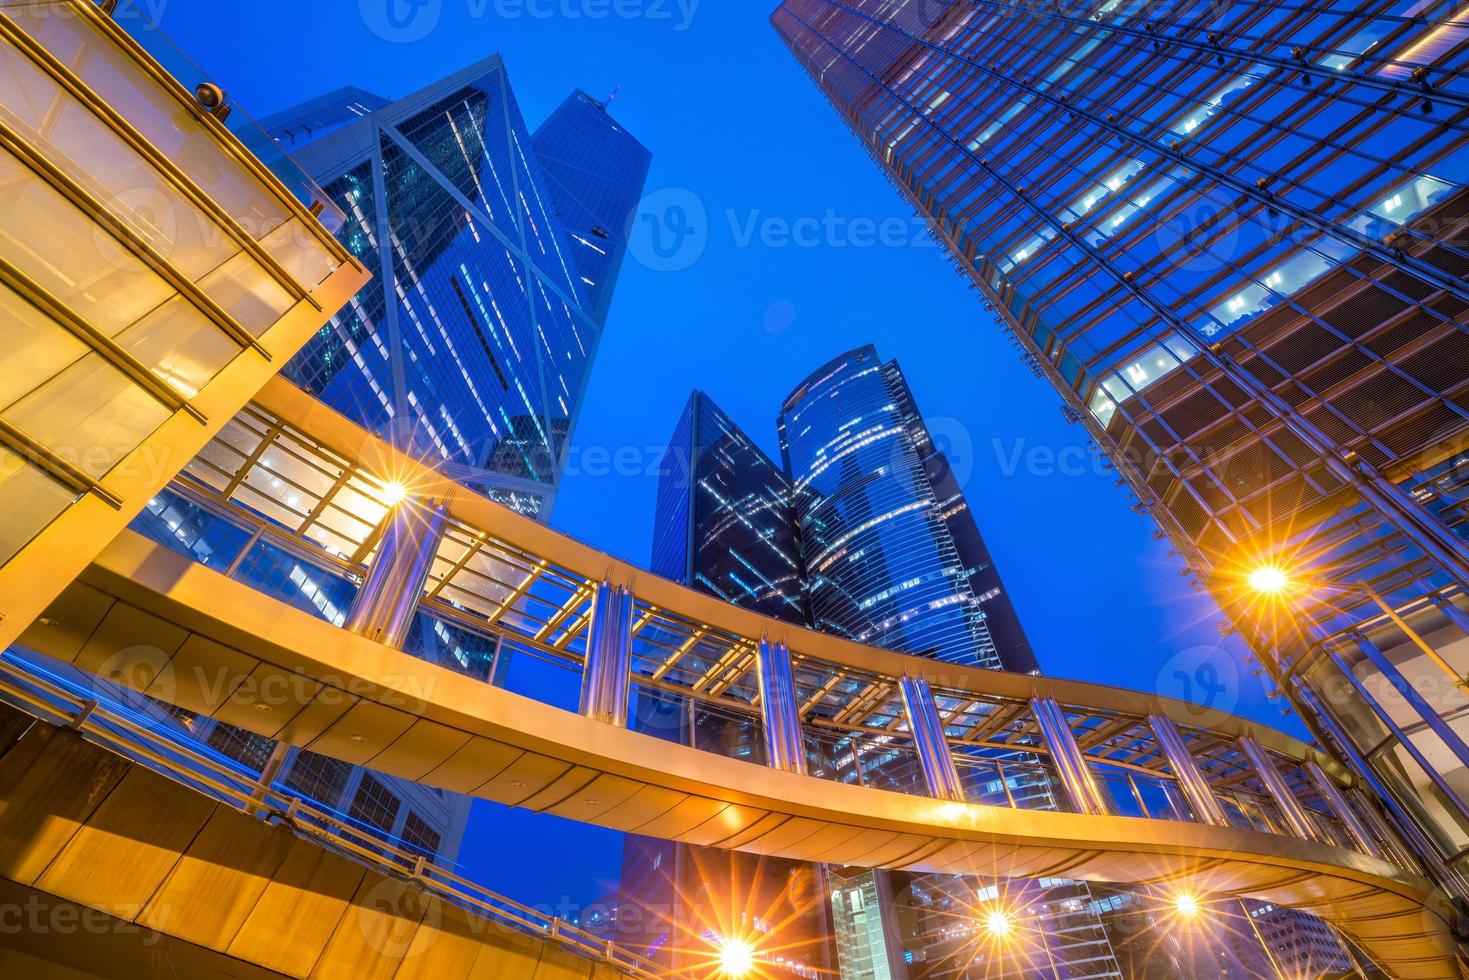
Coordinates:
x,y
306,415
117,731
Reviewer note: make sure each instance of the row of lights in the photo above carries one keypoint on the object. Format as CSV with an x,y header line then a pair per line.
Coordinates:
x,y
738,957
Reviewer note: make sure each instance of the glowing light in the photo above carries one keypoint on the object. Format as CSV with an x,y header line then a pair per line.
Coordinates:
x,y
1269,580
736,958
1186,906
999,924
394,493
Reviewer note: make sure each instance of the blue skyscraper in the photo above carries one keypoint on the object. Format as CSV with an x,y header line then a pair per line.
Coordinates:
x,y
893,556
1232,238
726,520
472,347
595,171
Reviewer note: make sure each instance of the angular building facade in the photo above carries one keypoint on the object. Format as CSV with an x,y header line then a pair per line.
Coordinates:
x,y
473,348
725,521
489,368
1232,238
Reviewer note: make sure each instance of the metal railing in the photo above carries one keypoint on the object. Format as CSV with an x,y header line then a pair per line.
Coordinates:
x,y
273,508
174,755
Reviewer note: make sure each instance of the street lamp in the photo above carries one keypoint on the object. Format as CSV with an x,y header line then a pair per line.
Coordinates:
x,y
999,924
736,958
394,493
1187,906
1270,581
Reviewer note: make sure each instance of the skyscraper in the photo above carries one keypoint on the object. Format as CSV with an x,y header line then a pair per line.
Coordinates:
x,y
726,519
1232,238
863,532
475,331
595,171
472,349
724,524
894,557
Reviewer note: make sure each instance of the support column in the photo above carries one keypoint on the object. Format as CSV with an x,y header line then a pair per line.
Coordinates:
x,y
1191,781
785,746
606,682
1071,765
386,603
1413,697
1290,808
1334,798
929,740
1404,832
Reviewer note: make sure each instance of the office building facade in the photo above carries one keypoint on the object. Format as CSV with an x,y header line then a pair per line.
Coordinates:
x,y
491,385
863,489
1231,237
724,523
894,557
472,349
595,171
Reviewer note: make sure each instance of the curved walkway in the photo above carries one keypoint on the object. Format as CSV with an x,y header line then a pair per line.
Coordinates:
x,y
160,623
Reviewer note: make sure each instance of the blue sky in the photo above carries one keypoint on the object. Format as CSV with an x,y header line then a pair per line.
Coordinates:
x,y
799,249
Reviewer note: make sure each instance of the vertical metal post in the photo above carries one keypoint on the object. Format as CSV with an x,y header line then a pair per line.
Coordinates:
x,y
1067,758
930,741
1290,808
268,775
386,603
1195,788
785,746
606,682
1332,795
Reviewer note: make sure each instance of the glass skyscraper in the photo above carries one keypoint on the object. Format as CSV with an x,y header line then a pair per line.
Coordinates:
x,y
726,520
595,171
470,348
894,558
724,524
864,524
1232,237
473,346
